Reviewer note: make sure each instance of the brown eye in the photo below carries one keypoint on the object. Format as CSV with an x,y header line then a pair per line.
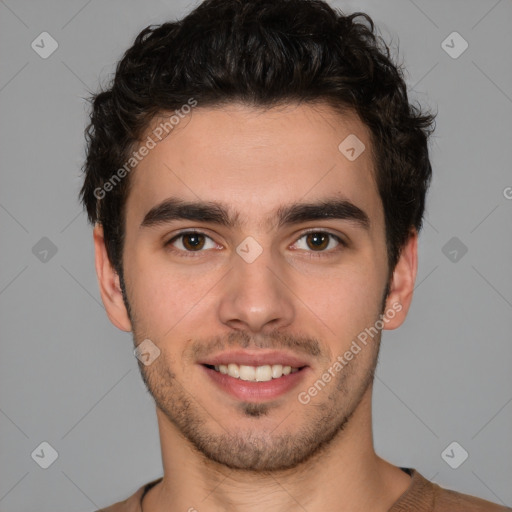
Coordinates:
x,y
317,241
193,241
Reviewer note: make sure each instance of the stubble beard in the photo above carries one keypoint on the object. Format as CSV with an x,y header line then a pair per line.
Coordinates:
x,y
293,441
311,428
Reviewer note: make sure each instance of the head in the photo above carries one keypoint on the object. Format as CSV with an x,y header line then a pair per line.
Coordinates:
x,y
241,122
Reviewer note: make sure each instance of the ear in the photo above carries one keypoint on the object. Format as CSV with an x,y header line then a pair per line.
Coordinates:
x,y
110,287
402,284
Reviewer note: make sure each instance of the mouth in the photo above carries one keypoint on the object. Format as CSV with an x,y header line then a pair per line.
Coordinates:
x,y
264,373
255,375
255,384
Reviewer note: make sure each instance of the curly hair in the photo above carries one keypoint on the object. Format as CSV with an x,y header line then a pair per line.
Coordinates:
x,y
261,53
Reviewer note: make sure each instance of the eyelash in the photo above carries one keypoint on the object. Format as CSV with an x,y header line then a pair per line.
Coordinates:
x,y
312,254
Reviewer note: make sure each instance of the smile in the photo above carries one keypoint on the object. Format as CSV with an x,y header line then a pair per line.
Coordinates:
x,y
263,373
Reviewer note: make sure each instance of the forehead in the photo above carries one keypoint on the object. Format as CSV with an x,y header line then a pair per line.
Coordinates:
x,y
254,160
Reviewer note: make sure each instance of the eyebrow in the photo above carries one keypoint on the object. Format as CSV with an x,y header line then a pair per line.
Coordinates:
x,y
172,209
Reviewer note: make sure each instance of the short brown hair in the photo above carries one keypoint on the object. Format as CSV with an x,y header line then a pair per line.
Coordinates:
x,y
261,52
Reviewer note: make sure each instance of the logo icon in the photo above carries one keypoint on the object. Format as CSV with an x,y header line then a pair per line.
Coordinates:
x,y
44,455
44,250
351,147
454,455
249,249
454,249
454,45
146,352
44,45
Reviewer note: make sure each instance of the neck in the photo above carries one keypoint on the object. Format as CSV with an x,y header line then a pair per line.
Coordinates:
x,y
345,475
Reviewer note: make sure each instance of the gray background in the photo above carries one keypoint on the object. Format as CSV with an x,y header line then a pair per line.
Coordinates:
x,y
68,377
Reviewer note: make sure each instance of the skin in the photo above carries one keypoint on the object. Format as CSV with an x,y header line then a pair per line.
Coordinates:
x,y
220,453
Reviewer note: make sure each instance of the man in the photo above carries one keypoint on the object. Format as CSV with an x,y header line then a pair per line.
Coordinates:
x,y
257,180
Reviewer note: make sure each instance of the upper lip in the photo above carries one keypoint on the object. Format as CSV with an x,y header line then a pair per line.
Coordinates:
x,y
259,358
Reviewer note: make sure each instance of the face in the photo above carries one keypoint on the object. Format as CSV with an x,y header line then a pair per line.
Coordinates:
x,y
253,242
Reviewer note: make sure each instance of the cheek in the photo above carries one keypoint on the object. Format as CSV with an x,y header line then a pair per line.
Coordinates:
x,y
166,299
347,301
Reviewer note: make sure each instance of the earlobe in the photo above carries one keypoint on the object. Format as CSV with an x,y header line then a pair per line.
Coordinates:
x,y
109,283
402,284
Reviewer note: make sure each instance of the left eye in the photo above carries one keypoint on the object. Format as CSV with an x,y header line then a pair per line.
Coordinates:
x,y
318,241
192,242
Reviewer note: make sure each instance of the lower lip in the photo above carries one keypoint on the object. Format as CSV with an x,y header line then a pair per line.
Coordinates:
x,y
256,391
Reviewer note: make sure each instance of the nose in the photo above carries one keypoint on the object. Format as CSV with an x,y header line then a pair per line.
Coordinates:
x,y
256,297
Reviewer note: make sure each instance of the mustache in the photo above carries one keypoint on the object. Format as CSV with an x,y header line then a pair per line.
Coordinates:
x,y
241,339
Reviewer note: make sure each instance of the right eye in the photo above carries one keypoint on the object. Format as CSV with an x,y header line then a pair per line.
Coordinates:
x,y
191,241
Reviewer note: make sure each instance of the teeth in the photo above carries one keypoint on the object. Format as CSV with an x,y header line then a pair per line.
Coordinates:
x,y
233,370
277,371
247,372
263,373
255,373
